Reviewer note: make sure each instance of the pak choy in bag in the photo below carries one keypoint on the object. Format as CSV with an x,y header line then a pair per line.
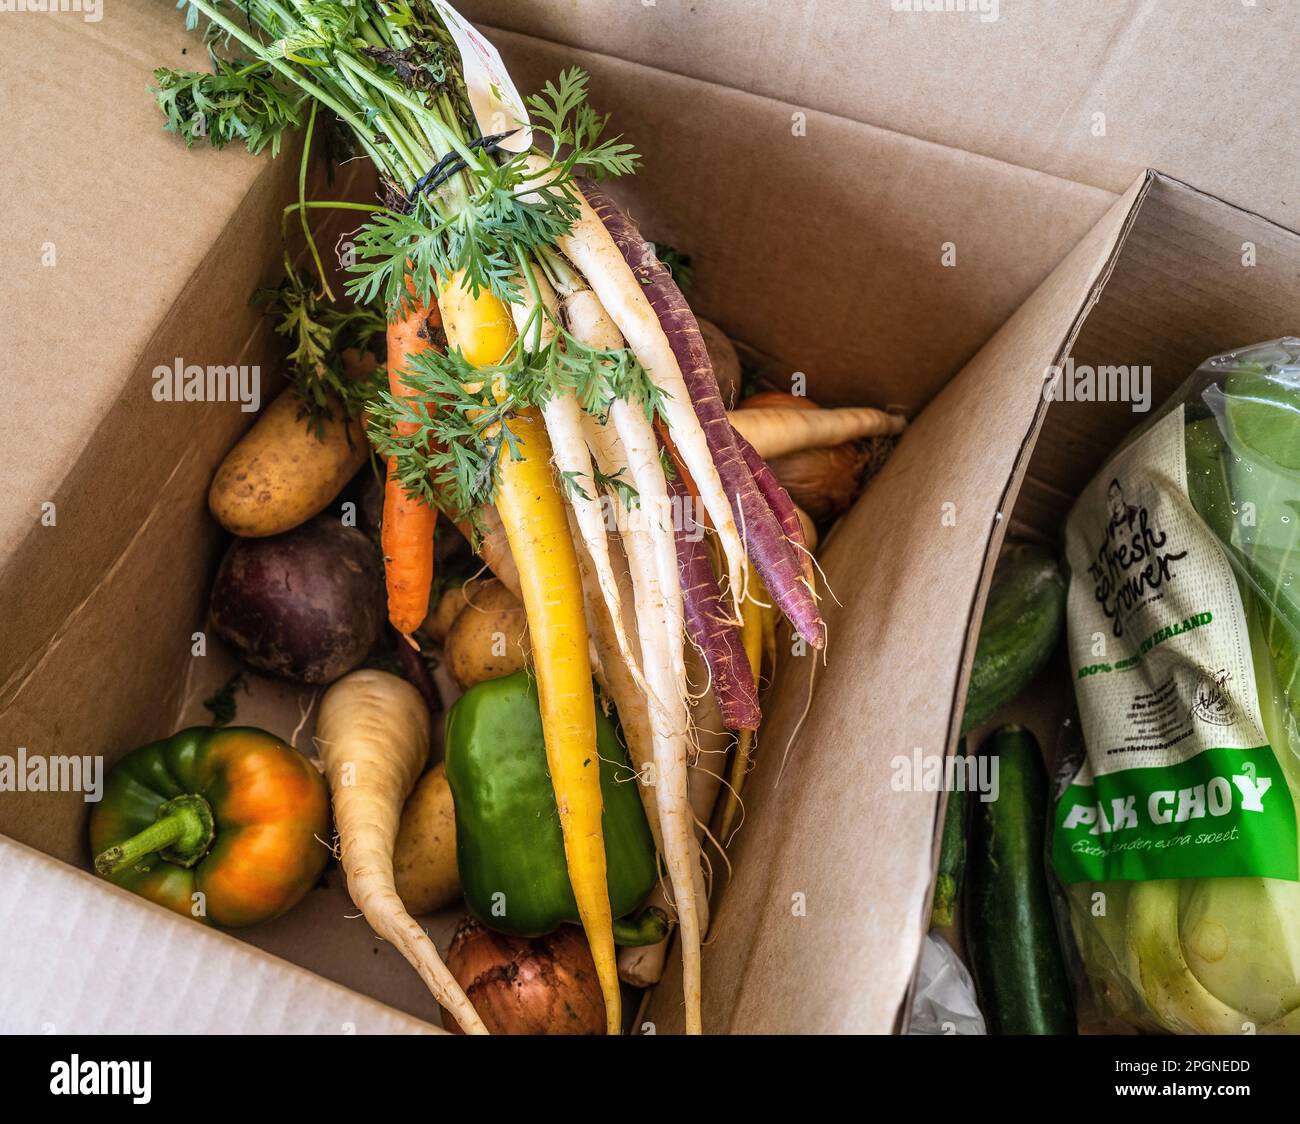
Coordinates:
x,y
1175,834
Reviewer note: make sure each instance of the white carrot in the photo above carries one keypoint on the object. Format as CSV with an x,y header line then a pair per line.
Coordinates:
x,y
373,737
587,321
658,606
590,247
634,719
613,675
644,966
627,444
563,419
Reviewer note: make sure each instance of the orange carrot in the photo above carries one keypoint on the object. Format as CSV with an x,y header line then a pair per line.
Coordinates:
x,y
679,465
408,523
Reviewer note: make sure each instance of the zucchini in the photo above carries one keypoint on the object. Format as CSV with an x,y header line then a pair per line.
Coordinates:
x,y
952,857
1011,937
1022,623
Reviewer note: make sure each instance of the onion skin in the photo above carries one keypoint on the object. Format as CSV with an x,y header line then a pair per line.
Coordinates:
x,y
542,985
823,482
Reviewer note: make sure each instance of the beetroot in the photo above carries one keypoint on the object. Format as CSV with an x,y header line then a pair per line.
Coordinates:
x,y
306,605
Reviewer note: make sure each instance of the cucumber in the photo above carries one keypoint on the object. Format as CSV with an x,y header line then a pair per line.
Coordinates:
x,y
1021,626
1011,938
952,857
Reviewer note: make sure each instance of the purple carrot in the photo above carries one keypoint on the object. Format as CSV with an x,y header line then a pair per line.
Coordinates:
x,y
708,624
778,499
774,558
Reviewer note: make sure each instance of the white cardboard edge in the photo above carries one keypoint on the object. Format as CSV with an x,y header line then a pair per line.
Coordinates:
x,y
84,957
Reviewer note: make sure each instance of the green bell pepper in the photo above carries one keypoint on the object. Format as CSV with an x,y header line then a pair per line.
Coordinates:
x,y
509,847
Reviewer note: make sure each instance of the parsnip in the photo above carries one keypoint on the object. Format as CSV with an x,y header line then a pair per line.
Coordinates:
x,y
373,738
776,432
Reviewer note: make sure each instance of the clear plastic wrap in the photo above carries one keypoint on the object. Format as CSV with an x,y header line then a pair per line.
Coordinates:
x,y
1174,828
944,1000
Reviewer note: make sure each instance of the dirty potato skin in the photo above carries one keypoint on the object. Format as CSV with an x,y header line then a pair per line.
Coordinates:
x,y
424,857
281,473
443,615
488,638
306,605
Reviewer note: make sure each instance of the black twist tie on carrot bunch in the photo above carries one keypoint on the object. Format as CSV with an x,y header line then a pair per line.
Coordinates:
x,y
452,163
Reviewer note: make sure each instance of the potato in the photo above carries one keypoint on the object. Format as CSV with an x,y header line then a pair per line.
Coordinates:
x,y
306,605
443,615
424,858
726,363
281,473
488,638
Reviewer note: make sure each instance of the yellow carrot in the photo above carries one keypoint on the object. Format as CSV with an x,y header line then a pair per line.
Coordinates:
x,y
479,327
752,630
533,514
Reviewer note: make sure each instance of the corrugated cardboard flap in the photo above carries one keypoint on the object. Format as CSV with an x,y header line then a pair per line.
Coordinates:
x,y
1088,92
84,957
818,929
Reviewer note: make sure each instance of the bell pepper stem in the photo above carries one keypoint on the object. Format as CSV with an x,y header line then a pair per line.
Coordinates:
x,y
181,834
650,926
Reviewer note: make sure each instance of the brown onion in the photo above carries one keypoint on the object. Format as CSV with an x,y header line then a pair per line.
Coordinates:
x,y
824,482
542,985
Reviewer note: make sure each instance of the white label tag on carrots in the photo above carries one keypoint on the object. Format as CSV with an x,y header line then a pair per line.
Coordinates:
x,y
496,103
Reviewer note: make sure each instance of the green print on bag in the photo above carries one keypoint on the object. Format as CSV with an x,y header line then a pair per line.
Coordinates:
x,y
1224,813
1176,710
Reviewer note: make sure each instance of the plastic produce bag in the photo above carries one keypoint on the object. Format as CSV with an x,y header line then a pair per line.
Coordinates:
x,y
944,1000
1174,832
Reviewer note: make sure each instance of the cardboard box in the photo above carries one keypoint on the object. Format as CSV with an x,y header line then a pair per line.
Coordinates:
x,y
819,211
1159,281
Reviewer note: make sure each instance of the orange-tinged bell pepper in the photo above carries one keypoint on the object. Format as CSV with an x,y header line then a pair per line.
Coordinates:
x,y
225,825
